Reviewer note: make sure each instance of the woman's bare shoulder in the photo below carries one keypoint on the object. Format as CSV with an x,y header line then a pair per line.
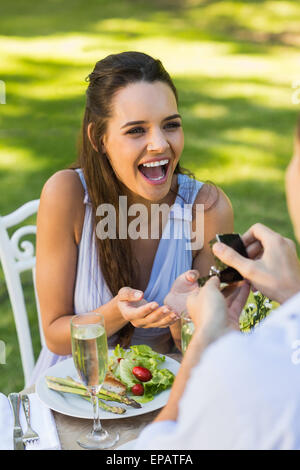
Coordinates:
x,y
62,199
218,218
63,184
217,211
214,200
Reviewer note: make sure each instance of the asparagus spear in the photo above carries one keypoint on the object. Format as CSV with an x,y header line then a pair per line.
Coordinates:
x,y
106,395
59,387
68,382
109,396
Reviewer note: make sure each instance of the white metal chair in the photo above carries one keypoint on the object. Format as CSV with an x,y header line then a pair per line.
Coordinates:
x,y
15,261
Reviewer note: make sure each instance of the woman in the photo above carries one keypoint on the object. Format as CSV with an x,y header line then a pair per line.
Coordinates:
x,y
131,123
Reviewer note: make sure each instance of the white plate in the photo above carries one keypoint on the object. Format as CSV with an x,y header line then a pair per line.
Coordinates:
x,y
73,405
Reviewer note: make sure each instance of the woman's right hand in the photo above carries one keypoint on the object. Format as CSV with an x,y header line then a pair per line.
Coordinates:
x,y
142,314
273,267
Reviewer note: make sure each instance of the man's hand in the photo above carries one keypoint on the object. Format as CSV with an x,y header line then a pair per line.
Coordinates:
x,y
236,296
273,267
213,310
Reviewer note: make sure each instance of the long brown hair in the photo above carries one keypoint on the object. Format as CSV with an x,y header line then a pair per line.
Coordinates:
x,y
110,74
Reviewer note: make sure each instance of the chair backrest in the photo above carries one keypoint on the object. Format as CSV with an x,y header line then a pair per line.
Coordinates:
x,y
15,261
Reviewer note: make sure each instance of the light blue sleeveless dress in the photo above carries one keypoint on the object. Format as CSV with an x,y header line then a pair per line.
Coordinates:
x,y
173,257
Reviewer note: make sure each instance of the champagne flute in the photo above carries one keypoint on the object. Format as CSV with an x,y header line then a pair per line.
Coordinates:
x,y
90,355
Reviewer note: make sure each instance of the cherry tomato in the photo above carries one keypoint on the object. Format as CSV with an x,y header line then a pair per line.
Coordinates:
x,y
142,374
137,389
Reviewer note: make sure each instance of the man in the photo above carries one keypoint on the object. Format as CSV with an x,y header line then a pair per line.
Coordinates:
x,y
234,390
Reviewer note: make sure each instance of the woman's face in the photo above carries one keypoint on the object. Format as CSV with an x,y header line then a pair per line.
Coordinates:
x,y
292,180
144,138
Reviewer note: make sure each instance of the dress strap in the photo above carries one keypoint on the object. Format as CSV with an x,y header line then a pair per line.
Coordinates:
x,y
188,189
86,199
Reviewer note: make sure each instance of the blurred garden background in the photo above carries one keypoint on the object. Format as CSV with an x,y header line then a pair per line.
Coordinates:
x,y
233,62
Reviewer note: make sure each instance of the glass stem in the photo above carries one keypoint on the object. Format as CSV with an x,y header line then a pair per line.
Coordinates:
x,y
97,428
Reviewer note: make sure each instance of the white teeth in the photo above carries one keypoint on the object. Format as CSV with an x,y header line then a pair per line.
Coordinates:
x,y
162,162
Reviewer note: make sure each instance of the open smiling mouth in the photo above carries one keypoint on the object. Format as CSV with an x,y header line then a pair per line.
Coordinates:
x,y
155,172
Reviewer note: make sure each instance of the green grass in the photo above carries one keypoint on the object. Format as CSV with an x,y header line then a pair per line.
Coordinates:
x,y
233,63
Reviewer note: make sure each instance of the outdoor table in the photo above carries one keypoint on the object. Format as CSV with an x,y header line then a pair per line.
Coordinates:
x,y
69,428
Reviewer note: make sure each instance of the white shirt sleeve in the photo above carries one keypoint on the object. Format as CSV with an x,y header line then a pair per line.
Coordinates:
x,y
200,410
150,437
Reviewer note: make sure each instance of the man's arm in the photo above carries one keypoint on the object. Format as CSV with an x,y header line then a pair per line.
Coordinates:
x,y
211,316
198,344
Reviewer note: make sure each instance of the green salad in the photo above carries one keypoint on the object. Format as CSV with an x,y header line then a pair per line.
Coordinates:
x,y
123,361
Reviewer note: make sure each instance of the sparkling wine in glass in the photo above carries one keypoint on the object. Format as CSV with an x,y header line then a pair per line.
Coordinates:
x,y
90,355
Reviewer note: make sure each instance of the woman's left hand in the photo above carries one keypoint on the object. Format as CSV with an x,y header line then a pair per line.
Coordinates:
x,y
180,290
